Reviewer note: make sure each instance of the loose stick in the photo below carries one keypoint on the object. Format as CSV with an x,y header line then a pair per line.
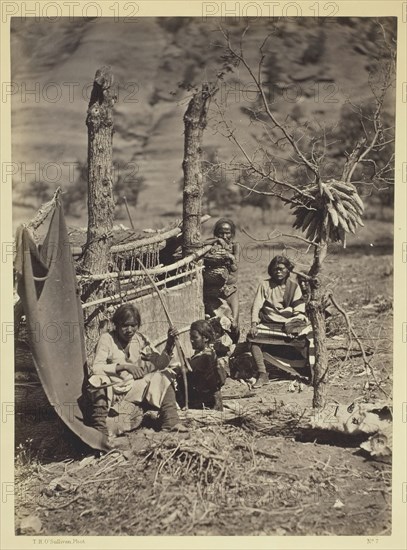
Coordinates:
x,y
368,368
103,386
351,331
185,366
128,212
180,331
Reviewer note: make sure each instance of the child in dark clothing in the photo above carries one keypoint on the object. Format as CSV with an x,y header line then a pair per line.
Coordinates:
x,y
207,376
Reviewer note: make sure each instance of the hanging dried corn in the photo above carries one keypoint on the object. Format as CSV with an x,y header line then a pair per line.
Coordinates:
x,y
330,210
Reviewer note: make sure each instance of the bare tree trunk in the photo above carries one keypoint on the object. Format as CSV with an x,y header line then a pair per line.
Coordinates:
x,y
100,190
195,123
315,312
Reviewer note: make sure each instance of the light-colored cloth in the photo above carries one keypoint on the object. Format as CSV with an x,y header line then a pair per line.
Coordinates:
x,y
110,353
277,303
224,347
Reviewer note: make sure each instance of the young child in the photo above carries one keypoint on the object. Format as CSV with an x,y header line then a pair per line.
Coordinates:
x,y
207,376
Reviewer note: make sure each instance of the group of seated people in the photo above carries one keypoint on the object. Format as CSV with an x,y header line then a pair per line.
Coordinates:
x,y
129,375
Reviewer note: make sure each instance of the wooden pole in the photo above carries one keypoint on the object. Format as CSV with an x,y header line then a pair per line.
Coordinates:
x,y
153,271
185,366
100,189
128,212
315,311
135,292
195,123
138,244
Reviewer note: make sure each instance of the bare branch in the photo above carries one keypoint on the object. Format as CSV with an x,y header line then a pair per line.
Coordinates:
x,y
359,154
351,331
278,235
232,137
241,58
303,239
352,159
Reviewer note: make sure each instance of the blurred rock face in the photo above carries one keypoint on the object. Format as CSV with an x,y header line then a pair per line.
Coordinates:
x,y
309,69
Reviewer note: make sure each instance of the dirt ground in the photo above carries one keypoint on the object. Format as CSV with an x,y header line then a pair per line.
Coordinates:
x,y
261,472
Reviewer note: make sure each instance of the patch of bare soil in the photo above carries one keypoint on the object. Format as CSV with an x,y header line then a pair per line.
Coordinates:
x,y
257,469
253,475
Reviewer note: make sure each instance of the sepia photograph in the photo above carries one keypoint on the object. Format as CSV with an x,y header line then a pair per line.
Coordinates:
x,y
203,273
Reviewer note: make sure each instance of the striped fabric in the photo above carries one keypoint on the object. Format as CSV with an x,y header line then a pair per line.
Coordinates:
x,y
274,334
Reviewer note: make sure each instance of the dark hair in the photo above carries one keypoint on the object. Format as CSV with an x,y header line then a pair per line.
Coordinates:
x,y
279,260
216,326
125,313
204,328
220,222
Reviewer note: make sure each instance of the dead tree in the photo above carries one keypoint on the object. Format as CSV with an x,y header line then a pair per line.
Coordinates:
x,y
325,210
100,190
195,120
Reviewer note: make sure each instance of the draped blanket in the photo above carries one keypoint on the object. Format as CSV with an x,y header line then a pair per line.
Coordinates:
x,y
49,294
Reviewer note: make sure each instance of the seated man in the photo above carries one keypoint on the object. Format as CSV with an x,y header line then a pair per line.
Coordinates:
x,y
278,317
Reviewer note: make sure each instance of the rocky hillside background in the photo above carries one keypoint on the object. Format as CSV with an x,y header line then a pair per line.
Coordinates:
x,y
312,67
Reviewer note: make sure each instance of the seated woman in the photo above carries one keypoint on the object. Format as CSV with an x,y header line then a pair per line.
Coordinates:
x,y
220,273
135,377
207,376
279,304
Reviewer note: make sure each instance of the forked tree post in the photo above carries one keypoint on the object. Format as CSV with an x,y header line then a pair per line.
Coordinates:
x,y
195,120
99,121
316,313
